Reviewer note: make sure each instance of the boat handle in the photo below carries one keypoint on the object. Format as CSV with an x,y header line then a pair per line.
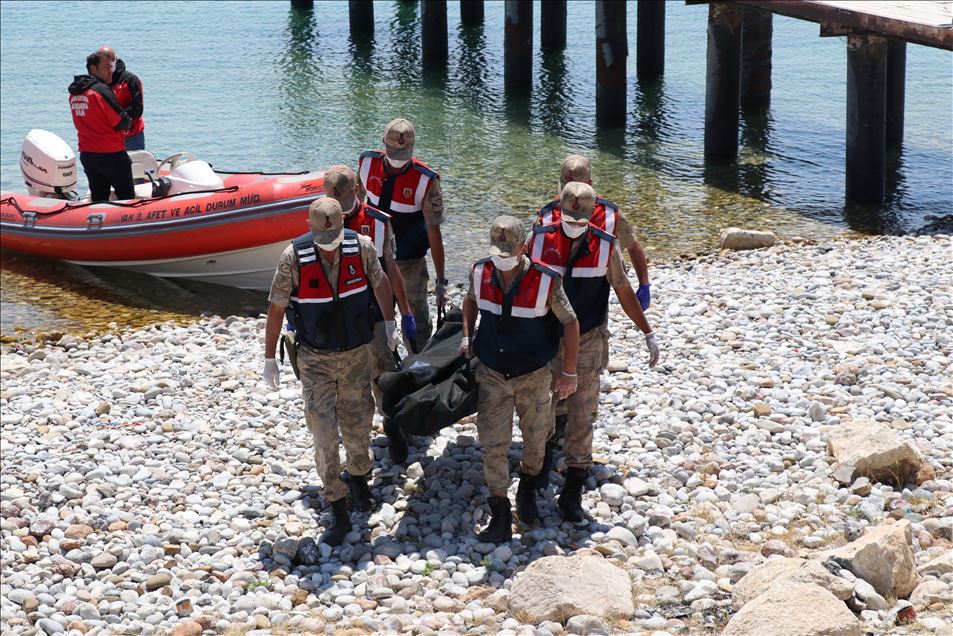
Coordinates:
x,y
95,221
29,218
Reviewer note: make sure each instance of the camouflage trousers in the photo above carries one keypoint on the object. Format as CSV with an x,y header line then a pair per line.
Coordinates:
x,y
414,273
530,395
338,406
381,360
582,407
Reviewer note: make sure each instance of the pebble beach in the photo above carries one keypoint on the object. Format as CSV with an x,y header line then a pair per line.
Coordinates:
x,y
153,484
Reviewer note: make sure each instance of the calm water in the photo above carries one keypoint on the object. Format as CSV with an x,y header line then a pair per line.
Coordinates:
x,y
260,86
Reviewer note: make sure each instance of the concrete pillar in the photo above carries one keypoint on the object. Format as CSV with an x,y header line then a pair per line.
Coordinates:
x,y
866,105
552,24
756,57
433,26
896,85
612,50
302,5
518,46
471,11
650,38
722,82
361,15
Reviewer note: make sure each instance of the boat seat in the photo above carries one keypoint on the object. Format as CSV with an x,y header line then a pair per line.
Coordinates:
x,y
143,163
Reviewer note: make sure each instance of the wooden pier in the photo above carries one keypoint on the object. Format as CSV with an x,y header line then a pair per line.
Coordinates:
x,y
738,61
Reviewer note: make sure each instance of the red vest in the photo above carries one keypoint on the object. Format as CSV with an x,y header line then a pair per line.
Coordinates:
x,y
603,216
530,300
370,222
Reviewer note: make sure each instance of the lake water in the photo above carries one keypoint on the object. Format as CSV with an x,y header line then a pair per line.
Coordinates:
x,y
259,85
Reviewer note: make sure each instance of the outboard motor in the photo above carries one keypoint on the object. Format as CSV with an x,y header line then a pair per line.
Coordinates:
x,y
48,165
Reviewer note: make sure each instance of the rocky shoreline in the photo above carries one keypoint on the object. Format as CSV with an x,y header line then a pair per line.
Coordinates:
x,y
791,457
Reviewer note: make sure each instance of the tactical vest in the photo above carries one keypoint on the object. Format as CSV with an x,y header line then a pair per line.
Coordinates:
x,y
584,278
402,197
327,319
518,333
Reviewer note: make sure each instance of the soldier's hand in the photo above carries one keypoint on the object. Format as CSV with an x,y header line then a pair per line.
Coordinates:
x,y
440,291
652,345
390,327
408,325
565,385
465,347
645,296
271,373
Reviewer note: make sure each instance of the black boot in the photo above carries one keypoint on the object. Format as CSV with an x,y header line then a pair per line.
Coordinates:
x,y
562,421
360,493
570,499
396,441
526,499
549,462
500,528
334,535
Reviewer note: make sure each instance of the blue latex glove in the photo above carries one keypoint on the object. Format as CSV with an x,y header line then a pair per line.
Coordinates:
x,y
409,326
644,296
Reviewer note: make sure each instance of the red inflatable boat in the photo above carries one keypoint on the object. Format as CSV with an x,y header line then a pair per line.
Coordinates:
x,y
200,224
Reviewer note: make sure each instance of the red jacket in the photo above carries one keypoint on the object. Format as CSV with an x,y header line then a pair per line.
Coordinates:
x,y
128,90
99,119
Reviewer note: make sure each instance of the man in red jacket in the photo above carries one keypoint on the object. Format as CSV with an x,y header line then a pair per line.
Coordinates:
x,y
128,89
100,123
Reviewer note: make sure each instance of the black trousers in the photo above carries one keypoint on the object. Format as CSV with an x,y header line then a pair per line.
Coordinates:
x,y
108,169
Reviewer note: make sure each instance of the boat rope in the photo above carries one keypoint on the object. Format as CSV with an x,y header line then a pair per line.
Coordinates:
x,y
267,174
119,204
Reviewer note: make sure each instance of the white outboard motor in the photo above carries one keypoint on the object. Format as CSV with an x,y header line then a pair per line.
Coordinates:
x,y
194,175
48,165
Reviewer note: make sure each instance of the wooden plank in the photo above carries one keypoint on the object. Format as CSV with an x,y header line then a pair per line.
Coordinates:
x,y
927,22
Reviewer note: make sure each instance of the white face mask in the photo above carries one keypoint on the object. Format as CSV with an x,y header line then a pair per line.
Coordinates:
x,y
397,165
505,264
574,231
333,245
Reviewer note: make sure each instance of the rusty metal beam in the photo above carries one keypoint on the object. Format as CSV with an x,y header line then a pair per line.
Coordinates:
x,y
856,20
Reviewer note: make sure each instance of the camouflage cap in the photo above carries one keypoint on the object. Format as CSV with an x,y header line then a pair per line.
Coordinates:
x,y
575,168
399,139
327,220
577,201
506,236
339,184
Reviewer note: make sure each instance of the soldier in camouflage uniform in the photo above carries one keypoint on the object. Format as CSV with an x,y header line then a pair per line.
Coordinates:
x,y
323,282
591,265
523,313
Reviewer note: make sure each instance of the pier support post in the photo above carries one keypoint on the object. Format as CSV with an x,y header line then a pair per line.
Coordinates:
x,y
756,33
433,21
471,11
722,82
361,16
866,105
552,25
302,5
612,50
650,38
896,85
518,46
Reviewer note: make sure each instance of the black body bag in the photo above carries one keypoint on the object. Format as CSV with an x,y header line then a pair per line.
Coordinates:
x,y
434,388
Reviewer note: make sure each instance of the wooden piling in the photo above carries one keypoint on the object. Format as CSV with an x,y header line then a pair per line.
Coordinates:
x,y
433,21
756,31
722,82
612,49
302,5
361,16
552,25
471,11
518,46
650,38
896,87
866,106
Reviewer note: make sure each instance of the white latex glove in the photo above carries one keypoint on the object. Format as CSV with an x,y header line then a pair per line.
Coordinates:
x,y
440,293
652,345
390,327
271,373
465,347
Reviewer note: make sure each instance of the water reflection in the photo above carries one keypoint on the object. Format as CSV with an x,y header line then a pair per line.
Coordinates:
x,y
470,80
651,119
300,70
755,158
553,102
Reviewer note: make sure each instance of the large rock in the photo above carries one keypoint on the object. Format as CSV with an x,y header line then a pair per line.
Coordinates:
x,y
794,609
929,592
939,566
873,451
556,588
882,557
784,571
735,238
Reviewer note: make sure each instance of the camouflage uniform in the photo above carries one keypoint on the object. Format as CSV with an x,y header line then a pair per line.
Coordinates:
x,y
414,271
335,385
582,406
530,394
